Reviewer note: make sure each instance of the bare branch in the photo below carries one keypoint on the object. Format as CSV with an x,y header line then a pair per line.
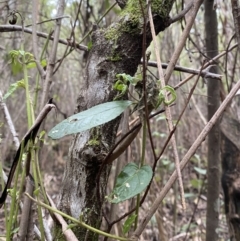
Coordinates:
x,y
9,122
204,73
49,20
34,39
183,39
182,13
53,54
13,28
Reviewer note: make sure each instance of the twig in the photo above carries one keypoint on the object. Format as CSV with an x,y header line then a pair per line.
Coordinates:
x,y
52,58
204,73
199,111
12,28
50,20
34,39
71,37
27,204
182,13
9,122
181,44
211,61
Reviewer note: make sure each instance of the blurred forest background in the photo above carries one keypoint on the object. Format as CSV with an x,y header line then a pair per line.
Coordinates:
x,y
78,18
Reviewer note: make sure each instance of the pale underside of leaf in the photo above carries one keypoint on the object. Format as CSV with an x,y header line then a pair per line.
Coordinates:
x,y
88,119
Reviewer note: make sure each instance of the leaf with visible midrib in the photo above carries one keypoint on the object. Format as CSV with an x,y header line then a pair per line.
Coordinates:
x,y
88,119
131,181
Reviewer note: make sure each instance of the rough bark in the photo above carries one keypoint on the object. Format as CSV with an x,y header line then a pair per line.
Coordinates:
x,y
117,49
230,128
213,86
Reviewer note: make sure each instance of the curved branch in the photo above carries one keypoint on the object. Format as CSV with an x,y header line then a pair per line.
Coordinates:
x,y
182,13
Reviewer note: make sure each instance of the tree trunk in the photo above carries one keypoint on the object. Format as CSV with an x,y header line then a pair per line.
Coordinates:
x,y
115,50
213,171
230,128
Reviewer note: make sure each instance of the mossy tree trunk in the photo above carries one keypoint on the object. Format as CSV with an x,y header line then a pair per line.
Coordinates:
x,y
116,49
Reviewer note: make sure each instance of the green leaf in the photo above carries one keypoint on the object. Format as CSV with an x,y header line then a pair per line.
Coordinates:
x,y
196,183
200,170
89,45
22,52
16,67
128,223
88,119
41,135
36,192
15,230
32,64
43,63
131,181
166,162
14,87
125,78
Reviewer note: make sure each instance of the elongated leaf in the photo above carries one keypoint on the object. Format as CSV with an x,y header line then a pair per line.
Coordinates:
x,y
200,170
13,87
131,181
128,223
88,119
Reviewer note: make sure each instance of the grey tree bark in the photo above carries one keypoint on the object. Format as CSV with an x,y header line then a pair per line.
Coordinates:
x,y
117,49
230,128
213,86
230,149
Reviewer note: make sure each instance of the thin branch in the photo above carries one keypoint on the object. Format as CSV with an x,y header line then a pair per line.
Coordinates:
x,y
182,13
210,62
27,204
13,28
71,37
34,39
204,73
49,20
183,39
9,122
53,54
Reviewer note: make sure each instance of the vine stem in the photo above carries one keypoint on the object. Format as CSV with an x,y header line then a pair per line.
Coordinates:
x,y
141,164
168,111
76,221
